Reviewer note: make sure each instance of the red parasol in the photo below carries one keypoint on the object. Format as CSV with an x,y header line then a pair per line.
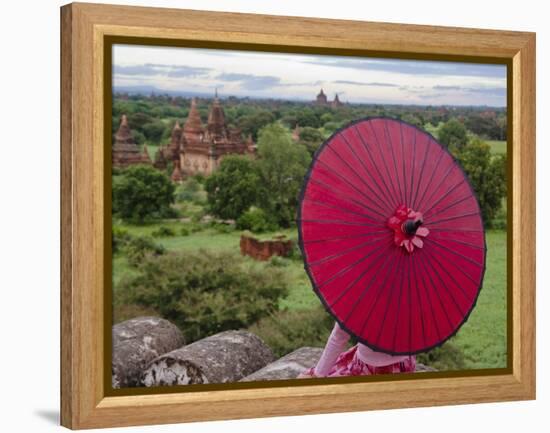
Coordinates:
x,y
392,236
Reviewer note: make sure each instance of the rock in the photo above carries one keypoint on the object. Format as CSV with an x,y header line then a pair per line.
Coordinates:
x,y
289,366
137,342
225,357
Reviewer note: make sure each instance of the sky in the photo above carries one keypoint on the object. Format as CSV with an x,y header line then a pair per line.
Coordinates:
x,y
301,76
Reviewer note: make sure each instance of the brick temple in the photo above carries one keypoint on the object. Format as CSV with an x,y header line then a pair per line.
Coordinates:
x,y
125,150
322,100
199,148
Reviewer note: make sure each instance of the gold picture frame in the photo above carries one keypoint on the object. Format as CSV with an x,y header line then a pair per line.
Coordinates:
x,y
87,33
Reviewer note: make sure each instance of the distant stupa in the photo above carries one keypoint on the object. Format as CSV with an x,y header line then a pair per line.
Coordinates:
x,y
125,150
321,98
336,103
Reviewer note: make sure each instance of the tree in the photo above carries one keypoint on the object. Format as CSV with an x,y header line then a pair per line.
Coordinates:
x,y
311,138
153,131
252,123
282,165
141,192
306,117
311,135
233,187
487,175
453,134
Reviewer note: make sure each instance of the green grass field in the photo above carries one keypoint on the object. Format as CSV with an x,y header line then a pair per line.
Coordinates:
x,y
497,147
482,339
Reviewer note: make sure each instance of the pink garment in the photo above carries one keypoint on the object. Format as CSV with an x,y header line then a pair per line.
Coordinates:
x,y
332,355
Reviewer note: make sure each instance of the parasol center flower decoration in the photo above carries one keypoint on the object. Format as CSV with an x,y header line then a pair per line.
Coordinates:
x,y
407,226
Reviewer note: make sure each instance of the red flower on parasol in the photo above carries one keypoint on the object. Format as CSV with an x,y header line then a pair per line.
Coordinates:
x,y
392,236
406,226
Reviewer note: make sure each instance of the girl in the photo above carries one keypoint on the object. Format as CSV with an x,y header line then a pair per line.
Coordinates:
x,y
360,360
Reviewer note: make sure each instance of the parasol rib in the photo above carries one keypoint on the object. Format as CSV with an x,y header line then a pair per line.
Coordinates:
x,y
437,293
336,238
444,195
394,159
389,197
428,145
465,215
320,203
347,268
441,153
377,297
347,223
367,171
344,252
358,278
384,209
403,163
399,304
429,298
446,207
329,168
443,179
412,168
413,268
449,291
341,194
390,178
459,268
459,287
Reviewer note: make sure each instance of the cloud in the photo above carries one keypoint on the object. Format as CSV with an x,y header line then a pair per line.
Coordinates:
x,y
261,82
359,83
151,69
446,87
249,81
417,67
488,91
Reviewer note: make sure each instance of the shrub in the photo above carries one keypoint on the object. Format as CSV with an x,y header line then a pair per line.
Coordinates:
x,y
278,262
221,227
204,292
200,178
500,221
169,212
163,232
256,220
120,238
295,252
140,247
190,190
130,311
288,330
445,357
141,192
184,231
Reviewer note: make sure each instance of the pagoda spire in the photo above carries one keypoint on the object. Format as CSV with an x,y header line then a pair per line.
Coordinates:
x,y
193,124
124,135
125,150
216,116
